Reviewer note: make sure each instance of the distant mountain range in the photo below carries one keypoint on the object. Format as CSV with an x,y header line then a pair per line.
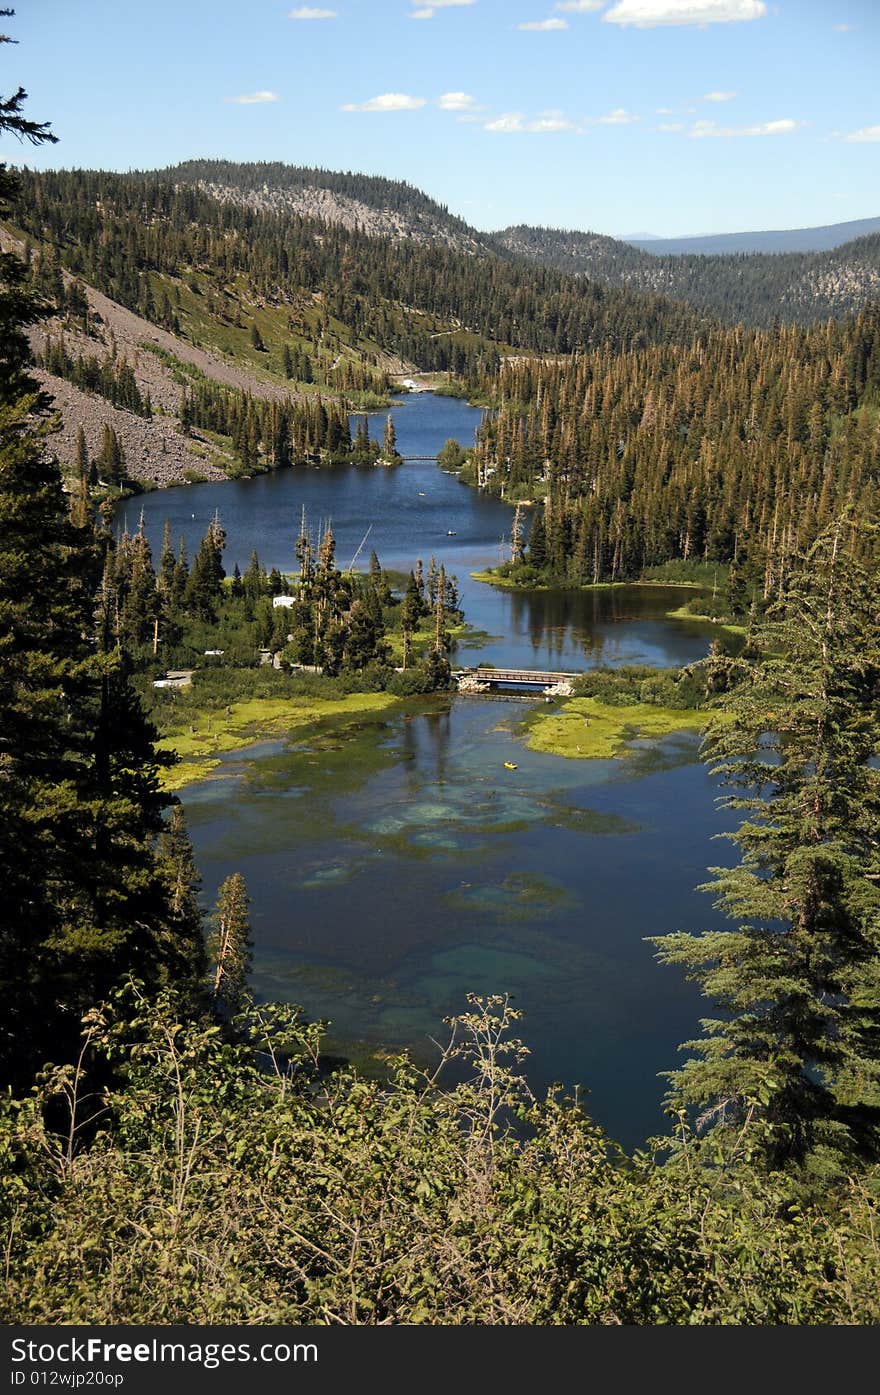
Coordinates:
x,y
823,239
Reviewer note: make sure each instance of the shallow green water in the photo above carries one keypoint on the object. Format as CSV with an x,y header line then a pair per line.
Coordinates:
x,y
397,866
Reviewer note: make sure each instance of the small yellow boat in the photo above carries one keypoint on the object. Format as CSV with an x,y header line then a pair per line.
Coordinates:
x,y
509,765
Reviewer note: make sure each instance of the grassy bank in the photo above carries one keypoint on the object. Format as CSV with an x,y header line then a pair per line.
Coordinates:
x,y
523,581
519,581
210,733
587,729
726,627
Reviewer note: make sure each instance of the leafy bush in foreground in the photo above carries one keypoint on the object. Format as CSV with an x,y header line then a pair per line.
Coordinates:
x,y
235,1182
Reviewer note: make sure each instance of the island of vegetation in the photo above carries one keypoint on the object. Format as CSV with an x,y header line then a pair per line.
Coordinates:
x,y
220,662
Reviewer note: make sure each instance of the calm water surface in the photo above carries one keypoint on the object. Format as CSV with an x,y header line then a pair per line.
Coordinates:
x,y
409,512
397,867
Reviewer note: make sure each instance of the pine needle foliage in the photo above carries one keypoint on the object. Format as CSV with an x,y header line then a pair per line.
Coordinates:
x,y
798,980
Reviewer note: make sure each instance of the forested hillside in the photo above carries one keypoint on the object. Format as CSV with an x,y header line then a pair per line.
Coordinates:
x,y
382,207
144,242
739,448
765,283
755,289
759,288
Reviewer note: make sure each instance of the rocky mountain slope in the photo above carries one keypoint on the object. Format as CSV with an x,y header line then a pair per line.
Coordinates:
x,y
157,452
361,203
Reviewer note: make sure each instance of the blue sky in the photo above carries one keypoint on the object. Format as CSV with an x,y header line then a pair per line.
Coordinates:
x,y
668,116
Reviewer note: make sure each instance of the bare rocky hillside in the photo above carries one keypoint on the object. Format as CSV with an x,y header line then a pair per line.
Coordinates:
x,y
328,206
157,453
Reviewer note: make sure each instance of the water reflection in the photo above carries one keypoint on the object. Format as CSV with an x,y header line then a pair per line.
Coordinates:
x,y
582,629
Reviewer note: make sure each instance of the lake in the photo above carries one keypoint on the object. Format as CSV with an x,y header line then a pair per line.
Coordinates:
x,y
408,512
398,866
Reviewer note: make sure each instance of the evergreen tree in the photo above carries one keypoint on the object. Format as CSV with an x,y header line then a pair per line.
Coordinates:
x,y
205,584
81,454
80,802
799,979
231,948
378,580
305,555
186,944
111,460
389,441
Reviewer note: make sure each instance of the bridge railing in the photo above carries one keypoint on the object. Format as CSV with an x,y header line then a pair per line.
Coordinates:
x,y
544,677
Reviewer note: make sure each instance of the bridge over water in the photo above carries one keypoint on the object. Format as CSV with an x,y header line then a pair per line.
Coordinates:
x,y
515,677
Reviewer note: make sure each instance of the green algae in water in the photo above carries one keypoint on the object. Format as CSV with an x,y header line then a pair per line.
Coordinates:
x,y
438,842
328,876
555,970
595,822
520,896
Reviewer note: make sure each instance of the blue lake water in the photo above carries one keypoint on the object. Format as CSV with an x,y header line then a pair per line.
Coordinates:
x,y
409,512
398,865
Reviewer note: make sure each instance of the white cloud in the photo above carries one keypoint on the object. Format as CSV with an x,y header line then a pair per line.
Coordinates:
x,y
309,12
457,101
513,122
427,11
671,126
252,99
702,129
619,117
510,121
867,133
719,96
544,25
843,28
579,7
665,111
646,14
389,101
550,124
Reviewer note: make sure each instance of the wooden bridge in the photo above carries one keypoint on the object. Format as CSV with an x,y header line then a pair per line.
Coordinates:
x,y
407,459
516,677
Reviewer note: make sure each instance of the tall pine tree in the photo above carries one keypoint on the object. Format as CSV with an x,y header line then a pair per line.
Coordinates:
x,y
84,898
798,980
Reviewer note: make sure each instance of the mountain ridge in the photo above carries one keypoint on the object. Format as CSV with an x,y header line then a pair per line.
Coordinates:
x,y
753,288
822,238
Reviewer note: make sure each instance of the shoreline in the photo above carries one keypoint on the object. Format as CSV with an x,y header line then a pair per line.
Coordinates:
x,y
253,720
503,583
730,627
